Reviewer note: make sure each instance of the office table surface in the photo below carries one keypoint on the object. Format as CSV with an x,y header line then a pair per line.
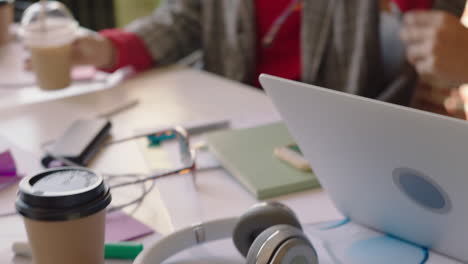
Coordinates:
x,y
167,96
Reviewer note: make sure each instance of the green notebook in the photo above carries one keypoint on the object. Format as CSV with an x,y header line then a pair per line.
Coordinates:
x,y
248,155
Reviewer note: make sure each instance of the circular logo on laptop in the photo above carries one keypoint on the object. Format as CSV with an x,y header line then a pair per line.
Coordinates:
x,y
422,190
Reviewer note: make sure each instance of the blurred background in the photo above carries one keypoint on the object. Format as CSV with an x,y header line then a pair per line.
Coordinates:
x,y
100,14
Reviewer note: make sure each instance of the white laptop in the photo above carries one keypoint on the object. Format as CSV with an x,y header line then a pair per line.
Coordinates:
x,y
391,168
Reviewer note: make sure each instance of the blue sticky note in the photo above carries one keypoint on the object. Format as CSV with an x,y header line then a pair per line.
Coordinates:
x,y
386,250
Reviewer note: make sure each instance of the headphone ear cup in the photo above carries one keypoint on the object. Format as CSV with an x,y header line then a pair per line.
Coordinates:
x,y
259,218
269,242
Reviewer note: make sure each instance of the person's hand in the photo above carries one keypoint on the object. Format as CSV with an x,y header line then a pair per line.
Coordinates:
x,y
457,103
93,49
437,45
443,101
90,49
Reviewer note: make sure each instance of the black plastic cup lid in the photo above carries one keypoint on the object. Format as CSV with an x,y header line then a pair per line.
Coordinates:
x,y
62,194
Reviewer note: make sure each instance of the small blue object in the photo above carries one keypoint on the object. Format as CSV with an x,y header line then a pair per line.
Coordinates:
x,y
386,250
153,141
333,224
156,140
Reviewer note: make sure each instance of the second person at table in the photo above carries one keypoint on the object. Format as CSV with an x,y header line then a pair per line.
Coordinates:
x,y
335,44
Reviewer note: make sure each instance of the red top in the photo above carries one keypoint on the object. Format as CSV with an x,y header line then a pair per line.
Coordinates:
x,y
407,5
282,58
130,50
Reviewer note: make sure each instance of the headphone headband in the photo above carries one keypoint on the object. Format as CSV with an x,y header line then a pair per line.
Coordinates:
x,y
186,238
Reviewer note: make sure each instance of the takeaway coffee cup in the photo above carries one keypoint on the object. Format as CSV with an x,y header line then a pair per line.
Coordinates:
x,y
64,215
6,18
48,30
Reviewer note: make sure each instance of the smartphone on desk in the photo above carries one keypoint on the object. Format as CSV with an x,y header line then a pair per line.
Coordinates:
x,y
80,142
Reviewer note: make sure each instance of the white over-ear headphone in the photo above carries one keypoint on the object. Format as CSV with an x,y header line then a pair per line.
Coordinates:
x,y
268,233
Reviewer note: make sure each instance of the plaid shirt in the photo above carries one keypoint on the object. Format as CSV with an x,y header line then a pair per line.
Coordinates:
x,y
339,41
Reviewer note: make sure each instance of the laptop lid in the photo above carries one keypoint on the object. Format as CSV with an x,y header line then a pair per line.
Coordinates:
x,y
398,170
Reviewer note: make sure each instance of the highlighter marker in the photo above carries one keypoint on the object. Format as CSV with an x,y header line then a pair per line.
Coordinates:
x,y
123,250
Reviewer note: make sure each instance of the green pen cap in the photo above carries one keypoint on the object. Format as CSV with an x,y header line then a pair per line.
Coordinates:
x,y
122,250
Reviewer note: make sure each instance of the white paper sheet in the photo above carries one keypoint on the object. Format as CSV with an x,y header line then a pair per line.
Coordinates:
x,y
18,87
11,97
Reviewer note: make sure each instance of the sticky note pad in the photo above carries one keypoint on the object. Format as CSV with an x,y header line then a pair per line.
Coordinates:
x,y
248,155
122,227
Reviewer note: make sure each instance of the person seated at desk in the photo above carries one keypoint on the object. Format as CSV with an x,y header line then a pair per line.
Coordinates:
x,y
437,46
334,44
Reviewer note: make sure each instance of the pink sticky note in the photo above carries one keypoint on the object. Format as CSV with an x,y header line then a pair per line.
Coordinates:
x,y
7,165
121,227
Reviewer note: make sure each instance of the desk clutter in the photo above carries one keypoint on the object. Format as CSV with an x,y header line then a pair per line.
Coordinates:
x,y
247,154
335,242
15,164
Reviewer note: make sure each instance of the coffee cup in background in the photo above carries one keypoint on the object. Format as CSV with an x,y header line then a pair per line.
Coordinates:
x,y
6,19
48,30
64,215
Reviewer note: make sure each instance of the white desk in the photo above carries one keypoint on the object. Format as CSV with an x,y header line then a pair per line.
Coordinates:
x,y
166,97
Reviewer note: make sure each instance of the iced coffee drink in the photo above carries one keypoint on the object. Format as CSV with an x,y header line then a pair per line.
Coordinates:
x,y
48,31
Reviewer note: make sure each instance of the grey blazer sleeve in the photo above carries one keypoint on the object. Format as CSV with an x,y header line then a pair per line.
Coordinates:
x,y
172,32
